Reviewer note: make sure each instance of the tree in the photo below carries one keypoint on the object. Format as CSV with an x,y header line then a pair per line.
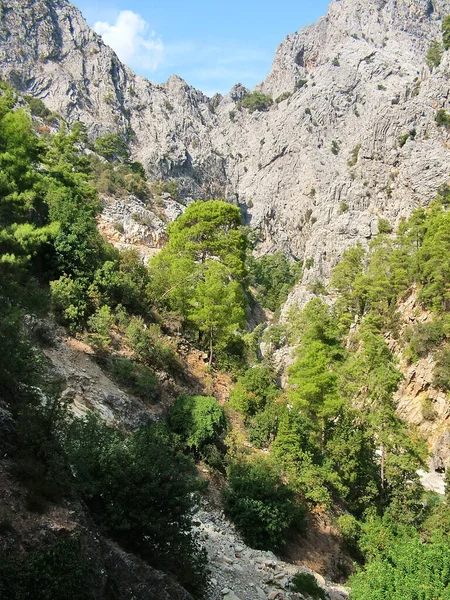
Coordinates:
x,y
140,489
198,420
254,390
262,507
199,273
217,305
412,569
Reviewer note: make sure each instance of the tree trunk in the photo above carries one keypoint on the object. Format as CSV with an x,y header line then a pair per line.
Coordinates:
x,y
210,346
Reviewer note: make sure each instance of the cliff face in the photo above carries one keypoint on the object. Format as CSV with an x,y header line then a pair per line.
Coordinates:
x,y
354,139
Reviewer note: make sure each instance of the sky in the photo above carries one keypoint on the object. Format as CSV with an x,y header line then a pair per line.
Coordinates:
x,y
212,45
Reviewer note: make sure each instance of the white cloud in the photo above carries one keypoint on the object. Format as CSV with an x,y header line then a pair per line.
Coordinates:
x,y
132,40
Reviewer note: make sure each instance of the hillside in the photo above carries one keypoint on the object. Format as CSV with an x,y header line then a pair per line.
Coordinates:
x,y
225,400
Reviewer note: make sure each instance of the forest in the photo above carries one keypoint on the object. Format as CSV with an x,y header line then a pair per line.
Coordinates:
x,y
330,441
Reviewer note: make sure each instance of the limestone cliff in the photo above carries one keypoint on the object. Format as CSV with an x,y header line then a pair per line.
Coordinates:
x,y
353,140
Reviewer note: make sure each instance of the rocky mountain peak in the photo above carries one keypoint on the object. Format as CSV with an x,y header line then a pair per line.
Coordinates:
x,y
351,138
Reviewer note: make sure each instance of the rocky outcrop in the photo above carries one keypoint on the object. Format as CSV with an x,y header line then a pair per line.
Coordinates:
x,y
351,139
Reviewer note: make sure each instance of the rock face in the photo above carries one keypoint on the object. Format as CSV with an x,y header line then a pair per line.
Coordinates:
x,y
353,140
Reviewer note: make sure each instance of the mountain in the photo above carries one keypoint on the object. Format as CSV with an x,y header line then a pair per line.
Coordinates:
x,y
351,139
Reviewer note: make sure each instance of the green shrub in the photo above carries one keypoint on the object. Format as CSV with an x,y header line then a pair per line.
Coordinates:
x,y
283,96
149,347
263,426
262,508
384,226
61,571
37,107
335,148
198,420
443,118
111,146
273,277
139,489
441,372
300,83
434,54
305,583
69,302
253,391
354,157
422,338
140,380
255,101
446,32
428,410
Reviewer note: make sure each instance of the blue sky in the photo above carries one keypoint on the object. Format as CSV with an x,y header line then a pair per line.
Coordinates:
x,y
210,44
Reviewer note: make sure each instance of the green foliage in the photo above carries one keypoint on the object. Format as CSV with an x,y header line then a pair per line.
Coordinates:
x,y
37,107
441,372
253,391
111,146
282,97
384,226
434,54
149,347
446,32
273,277
443,118
335,147
139,489
118,179
422,338
412,569
262,508
255,101
59,572
354,156
199,273
138,379
305,583
263,426
198,420
300,83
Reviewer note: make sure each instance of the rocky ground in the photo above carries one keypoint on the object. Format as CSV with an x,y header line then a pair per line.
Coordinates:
x,y
242,573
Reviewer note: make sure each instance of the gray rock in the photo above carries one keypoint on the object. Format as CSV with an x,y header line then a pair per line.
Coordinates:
x,y
316,171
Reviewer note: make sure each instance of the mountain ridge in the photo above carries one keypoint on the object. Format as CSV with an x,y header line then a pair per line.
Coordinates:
x,y
353,140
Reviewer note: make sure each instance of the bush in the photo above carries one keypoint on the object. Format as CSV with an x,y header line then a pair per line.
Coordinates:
x,y
69,302
260,505
441,372
434,54
263,426
443,118
446,32
253,391
138,379
305,583
37,107
255,101
147,343
198,420
59,572
111,146
384,226
140,490
422,338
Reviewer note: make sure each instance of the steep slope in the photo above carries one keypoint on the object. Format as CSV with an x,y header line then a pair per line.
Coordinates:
x,y
354,139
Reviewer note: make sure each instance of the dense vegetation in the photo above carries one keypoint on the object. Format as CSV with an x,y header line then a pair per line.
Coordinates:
x,y
332,439
138,488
